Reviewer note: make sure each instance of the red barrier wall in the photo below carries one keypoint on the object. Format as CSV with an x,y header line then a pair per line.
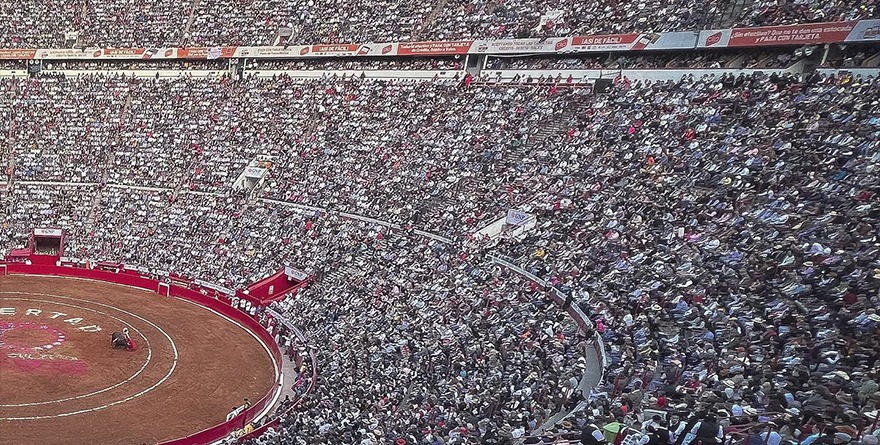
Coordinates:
x,y
260,290
135,279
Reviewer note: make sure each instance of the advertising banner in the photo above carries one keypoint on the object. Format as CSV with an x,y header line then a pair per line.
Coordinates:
x,y
516,217
805,34
17,54
345,50
865,31
802,34
206,53
519,46
107,54
635,42
301,51
295,273
48,232
433,48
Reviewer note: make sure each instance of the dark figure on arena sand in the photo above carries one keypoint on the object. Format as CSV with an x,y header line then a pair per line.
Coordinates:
x,y
121,340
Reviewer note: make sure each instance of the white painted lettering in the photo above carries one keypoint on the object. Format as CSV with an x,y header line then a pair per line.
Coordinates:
x,y
90,328
53,315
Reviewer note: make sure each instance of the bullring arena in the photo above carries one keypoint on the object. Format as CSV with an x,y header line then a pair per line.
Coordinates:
x,y
440,222
60,379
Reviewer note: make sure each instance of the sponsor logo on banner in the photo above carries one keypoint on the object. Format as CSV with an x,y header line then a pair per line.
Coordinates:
x,y
376,49
865,30
433,48
518,46
47,232
254,172
516,217
713,38
17,54
811,33
295,273
201,52
215,53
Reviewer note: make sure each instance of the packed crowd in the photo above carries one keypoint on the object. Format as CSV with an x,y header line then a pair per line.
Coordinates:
x,y
731,227
120,23
775,12
335,143
521,19
424,345
165,23
258,22
721,233
12,65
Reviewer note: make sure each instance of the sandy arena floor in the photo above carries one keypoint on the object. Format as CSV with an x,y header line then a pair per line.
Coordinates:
x,y
61,383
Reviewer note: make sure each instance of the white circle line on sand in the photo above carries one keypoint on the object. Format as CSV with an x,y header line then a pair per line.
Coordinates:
x,y
279,375
82,396
127,399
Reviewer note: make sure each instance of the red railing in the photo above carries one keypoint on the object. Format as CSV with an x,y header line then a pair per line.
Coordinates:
x,y
192,293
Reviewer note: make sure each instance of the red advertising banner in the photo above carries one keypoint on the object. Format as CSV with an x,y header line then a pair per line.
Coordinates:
x,y
346,50
612,41
791,34
433,48
805,34
634,42
17,54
